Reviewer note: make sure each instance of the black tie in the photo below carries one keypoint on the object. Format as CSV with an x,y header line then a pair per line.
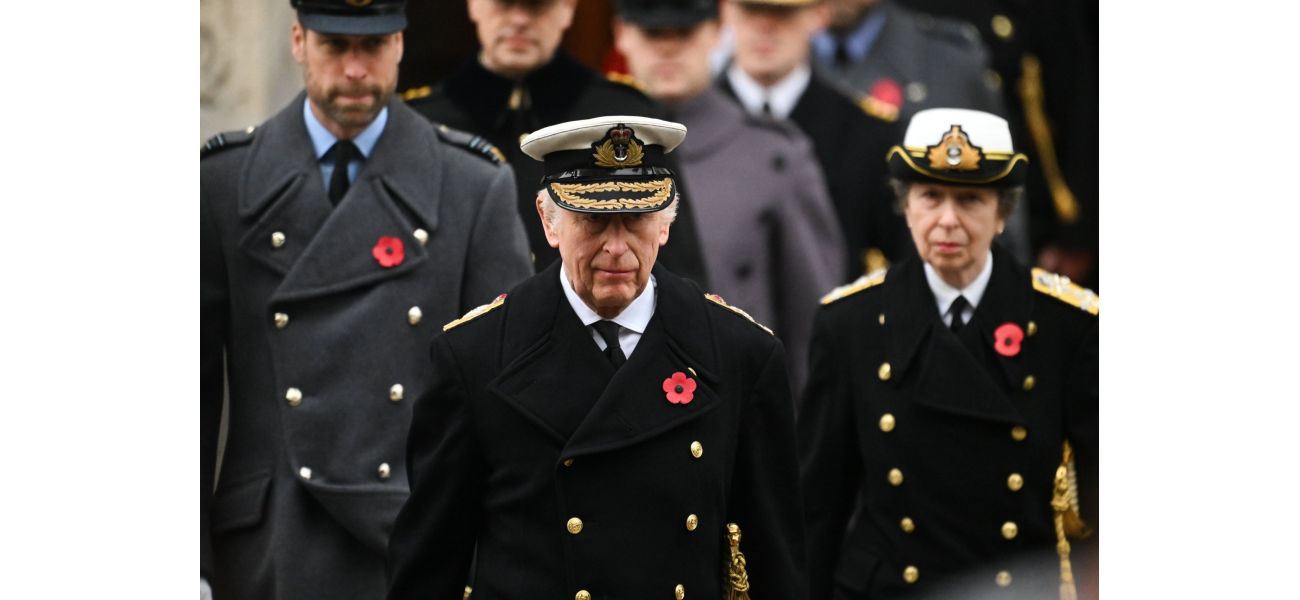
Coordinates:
x,y
767,109
958,306
841,54
608,331
344,152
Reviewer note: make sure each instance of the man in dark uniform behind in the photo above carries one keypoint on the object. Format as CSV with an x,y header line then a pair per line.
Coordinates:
x,y
521,81
333,238
596,431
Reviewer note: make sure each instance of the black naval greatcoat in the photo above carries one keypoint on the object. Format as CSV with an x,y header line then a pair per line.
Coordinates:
x,y
851,147
579,481
926,454
503,111
321,349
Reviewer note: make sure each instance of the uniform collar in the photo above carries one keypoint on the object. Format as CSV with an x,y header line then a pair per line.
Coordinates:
x,y
322,140
635,317
944,293
780,97
857,43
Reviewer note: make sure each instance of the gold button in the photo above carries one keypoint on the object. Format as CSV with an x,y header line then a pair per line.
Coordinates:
x,y
692,522
911,574
575,526
884,371
1002,27
305,472
1019,433
414,315
421,236
1015,482
1032,328
882,318
1009,530
697,449
281,320
994,79
1029,383
277,239
907,525
680,592
384,470
887,422
1003,578
395,392
895,477
568,462
294,396
582,595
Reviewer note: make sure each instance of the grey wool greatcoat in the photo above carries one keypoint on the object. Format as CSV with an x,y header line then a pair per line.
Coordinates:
x,y
321,348
576,480
772,239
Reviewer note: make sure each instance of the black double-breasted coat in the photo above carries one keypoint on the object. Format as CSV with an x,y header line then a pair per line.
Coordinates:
x,y
577,480
321,348
927,454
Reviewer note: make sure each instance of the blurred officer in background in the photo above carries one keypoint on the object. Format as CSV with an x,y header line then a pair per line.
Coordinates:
x,y
598,431
332,237
950,458
521,81
773,242
771,76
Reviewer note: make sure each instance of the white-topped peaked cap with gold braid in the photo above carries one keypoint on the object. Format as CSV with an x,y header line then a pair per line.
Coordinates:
x,y
959,147
607,164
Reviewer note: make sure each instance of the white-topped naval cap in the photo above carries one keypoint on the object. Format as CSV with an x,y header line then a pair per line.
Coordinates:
x,y
581,134
986,130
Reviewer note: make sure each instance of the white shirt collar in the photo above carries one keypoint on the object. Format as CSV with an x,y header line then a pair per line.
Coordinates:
x,y
780,98
944,294
636,317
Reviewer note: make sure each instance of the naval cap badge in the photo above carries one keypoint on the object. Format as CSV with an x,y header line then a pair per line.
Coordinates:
x,y
619,148
954,152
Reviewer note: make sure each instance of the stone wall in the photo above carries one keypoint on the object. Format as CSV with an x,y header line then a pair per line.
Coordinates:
x,y
246,72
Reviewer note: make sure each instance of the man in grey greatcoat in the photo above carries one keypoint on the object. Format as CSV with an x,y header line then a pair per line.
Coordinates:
x,y
336,238
770,232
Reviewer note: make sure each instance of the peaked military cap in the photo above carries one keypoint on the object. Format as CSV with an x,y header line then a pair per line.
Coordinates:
x,y
607,164
667,13
958,146
352,17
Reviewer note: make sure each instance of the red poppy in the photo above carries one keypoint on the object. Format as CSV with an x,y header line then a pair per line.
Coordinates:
x,y
887,91
1007,338
679,388
389,251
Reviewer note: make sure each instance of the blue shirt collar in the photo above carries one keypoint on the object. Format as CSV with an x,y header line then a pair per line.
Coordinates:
x,y
322,140
858,42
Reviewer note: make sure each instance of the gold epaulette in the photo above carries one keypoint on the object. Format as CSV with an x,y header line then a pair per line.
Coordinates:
x,y
416,93
476,313
878,108
1061,288
716,299
872,279
627,80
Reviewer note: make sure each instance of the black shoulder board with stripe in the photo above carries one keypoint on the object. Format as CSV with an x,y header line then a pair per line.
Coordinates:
x,y
226,139
474,143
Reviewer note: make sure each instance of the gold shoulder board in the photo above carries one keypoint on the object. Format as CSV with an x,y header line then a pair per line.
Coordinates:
x,y
872,279
416,93
716,299
627,80
1061,288
476,313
